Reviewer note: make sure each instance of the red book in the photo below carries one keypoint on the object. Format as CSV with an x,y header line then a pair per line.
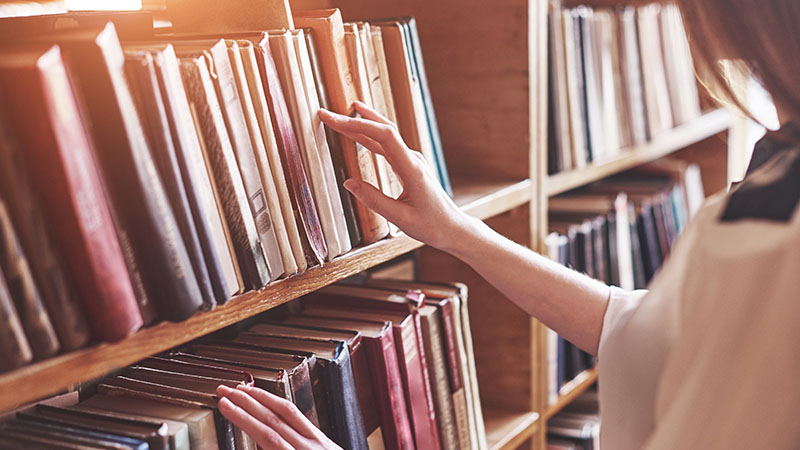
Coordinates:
x,y
378,304
388,414
45,113
300,190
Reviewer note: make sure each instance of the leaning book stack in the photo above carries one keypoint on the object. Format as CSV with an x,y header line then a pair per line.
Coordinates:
x,y
146,175
619,231
382,365
618,79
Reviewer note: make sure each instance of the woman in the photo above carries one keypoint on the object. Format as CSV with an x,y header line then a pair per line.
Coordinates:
x,y
702,360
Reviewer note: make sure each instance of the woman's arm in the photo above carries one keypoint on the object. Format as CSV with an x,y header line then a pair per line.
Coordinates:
x,y
568,302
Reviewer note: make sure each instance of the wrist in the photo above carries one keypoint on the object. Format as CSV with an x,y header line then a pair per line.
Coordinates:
x,y
461,236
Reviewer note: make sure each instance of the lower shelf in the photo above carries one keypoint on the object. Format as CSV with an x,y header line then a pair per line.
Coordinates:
x,y
572,390
507,430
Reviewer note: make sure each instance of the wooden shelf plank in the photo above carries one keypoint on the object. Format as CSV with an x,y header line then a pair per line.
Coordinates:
x,y
507,430
668,142
54,375
572,390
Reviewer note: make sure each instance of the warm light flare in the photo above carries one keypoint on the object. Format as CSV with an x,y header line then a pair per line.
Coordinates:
x,y
104,5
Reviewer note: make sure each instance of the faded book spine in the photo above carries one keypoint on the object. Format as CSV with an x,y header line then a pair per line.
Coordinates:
x,y
437,373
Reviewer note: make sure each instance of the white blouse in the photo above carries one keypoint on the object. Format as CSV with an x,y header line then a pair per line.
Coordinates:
x,y
708,358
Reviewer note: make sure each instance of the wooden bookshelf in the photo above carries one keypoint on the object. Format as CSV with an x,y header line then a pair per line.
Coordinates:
x,y
671,141
570,391
27,384
508,430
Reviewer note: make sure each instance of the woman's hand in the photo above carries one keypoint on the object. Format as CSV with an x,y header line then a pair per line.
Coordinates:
x,y
273,422
423,211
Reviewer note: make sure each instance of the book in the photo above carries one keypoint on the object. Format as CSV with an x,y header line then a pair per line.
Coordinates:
x,y
36,237
387,426
304,207
13,341
376,304
231,196
200,422
573,68
291,76
198,182
309,84
656,91
251,92
332,52
631,71
58,149
274,381
136,190
296,367
24,291
232,16
334,144
681,81
27,433
333,360
294,258
559,91
177,432
233,115
140,71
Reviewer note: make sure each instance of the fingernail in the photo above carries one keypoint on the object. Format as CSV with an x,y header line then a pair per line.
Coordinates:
x,y
224,404
352,186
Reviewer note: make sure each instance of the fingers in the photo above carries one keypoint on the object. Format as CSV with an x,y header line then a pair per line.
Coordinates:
x,y
382,133
373,198
265,436
371,114
286,410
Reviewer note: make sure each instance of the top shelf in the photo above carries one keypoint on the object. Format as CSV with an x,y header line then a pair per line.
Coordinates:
x,y
479,198
680,137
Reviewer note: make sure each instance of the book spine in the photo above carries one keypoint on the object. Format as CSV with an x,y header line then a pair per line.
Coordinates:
x,y
233,115
16,350
139,67
136,190
58,150
437,372
303,394
197,181
24,292
415,382
57,290
222,164
456,378
303,202
334,145
259,95
364,388
319,388
345,413
251,94
389,396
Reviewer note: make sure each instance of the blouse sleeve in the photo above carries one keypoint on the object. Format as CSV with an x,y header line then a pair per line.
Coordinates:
x,y
620,304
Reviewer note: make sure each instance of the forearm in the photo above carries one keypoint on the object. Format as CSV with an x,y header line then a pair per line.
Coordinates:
x,y
566,301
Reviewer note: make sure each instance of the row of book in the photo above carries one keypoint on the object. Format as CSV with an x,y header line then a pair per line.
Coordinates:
x,y
619,231
618,78
577,427
144,176
386,365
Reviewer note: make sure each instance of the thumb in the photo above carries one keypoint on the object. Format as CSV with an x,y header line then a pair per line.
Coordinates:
x,y
370,196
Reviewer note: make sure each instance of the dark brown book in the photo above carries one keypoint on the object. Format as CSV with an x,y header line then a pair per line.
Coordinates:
x,y
44,111
137,193
140,69
389,419
338,77
13,342
233,116
231,195
275,381
177,432
334,144
305,209
152,432
216,250
30,434
35,235
24,292
297,369
196,369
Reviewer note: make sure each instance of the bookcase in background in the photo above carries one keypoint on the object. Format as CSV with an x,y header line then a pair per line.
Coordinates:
x,y
487,70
